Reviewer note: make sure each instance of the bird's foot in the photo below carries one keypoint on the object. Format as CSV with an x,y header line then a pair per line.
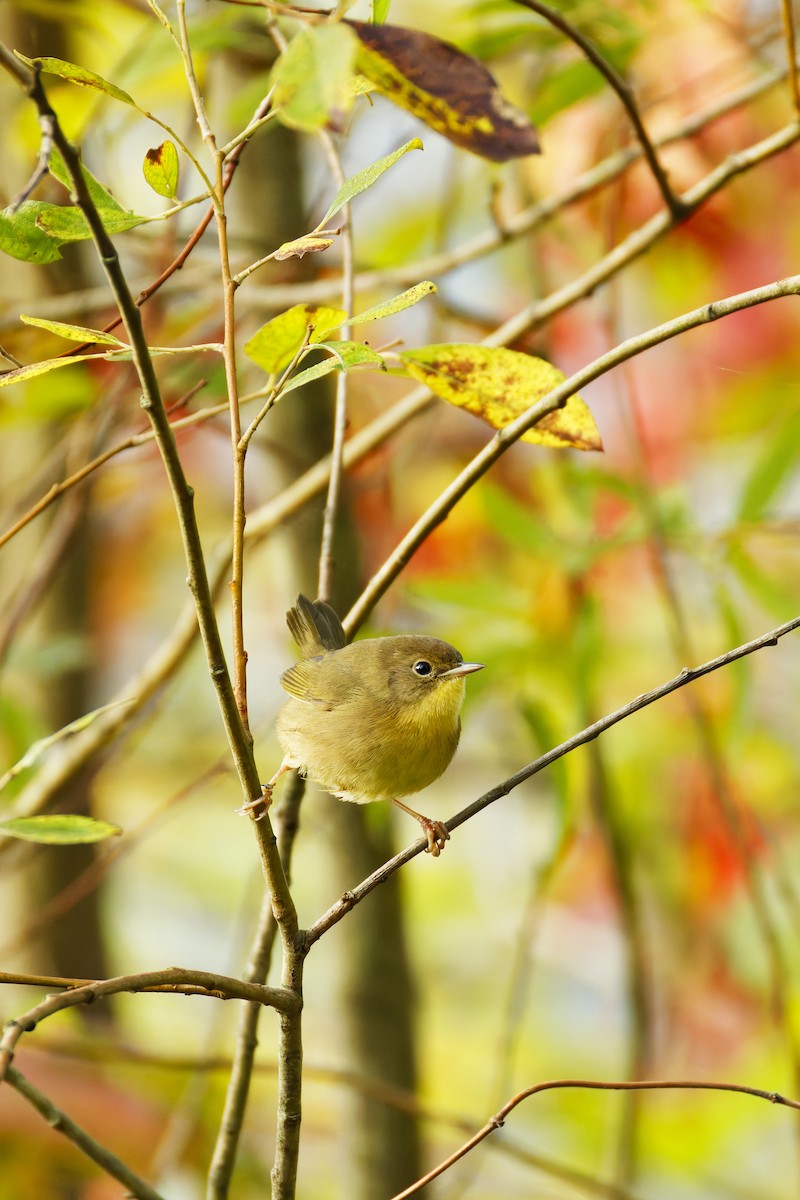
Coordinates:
x,y
437,834
257,809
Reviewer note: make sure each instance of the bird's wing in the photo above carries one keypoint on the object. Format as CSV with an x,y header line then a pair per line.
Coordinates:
x,y
315,627
310,682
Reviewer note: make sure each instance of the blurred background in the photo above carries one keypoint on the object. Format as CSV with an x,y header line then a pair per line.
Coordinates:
x,y
629,913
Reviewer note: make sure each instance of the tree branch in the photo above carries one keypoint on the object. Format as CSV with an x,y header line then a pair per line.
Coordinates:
x,y
58,1120
173,979
350,899
506,437
641,1085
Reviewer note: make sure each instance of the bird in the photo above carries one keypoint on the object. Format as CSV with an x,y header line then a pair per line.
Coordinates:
x,y
376,719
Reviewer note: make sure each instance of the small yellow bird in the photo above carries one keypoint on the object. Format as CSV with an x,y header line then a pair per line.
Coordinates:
x,y
374,720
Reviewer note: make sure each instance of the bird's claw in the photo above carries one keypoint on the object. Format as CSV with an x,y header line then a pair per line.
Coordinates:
x,y
257,809
437,834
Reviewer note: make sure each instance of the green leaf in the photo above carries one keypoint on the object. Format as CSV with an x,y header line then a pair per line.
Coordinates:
x,y
37,229
344,356
312,79
364,179
59,829
397,303
450,91
380,10
75,333
160,168
66,222
79,75
499,385
275,344
21,237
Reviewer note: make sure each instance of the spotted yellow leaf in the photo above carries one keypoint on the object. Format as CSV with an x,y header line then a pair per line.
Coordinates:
x,y
499,385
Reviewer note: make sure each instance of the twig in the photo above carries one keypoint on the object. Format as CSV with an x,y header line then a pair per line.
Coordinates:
x,y
381,1093
787,12
171,979
58,1120
326,562
350,899
674,203
506,437
166,659
224,1157
137,439
152,404
239,654
639,1085
518,224
42,167
230,1128
238,737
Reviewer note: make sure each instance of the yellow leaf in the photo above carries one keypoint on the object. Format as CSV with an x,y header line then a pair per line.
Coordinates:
x,y
274,345
499,385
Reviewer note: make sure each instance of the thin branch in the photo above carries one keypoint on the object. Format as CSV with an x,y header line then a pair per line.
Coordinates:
x,y
137,439
172,979
385,1094
787,11
58,1120
185,48
335,482
351,898
241,1070
183,495
239,654
179,980
518,224
42,167
238,737
224,1157
506,437
153,405
167,658
675,204
640,1085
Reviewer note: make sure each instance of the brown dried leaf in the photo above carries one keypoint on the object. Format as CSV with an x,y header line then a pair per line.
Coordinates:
x,y
450,91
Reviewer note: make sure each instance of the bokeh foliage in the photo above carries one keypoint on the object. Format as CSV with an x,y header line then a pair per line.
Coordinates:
x,y
632,911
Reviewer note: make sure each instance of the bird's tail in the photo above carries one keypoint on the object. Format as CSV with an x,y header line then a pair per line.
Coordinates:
x,y
315,627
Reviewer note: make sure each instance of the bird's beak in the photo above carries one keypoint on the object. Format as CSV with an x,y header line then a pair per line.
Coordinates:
x,y
461,669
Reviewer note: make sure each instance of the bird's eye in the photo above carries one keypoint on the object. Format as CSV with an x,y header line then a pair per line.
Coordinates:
x,y
422,667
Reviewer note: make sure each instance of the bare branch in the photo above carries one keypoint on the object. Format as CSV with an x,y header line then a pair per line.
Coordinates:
x,y
642,1085
350,899
336,479
787,12
172,979
58,1120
